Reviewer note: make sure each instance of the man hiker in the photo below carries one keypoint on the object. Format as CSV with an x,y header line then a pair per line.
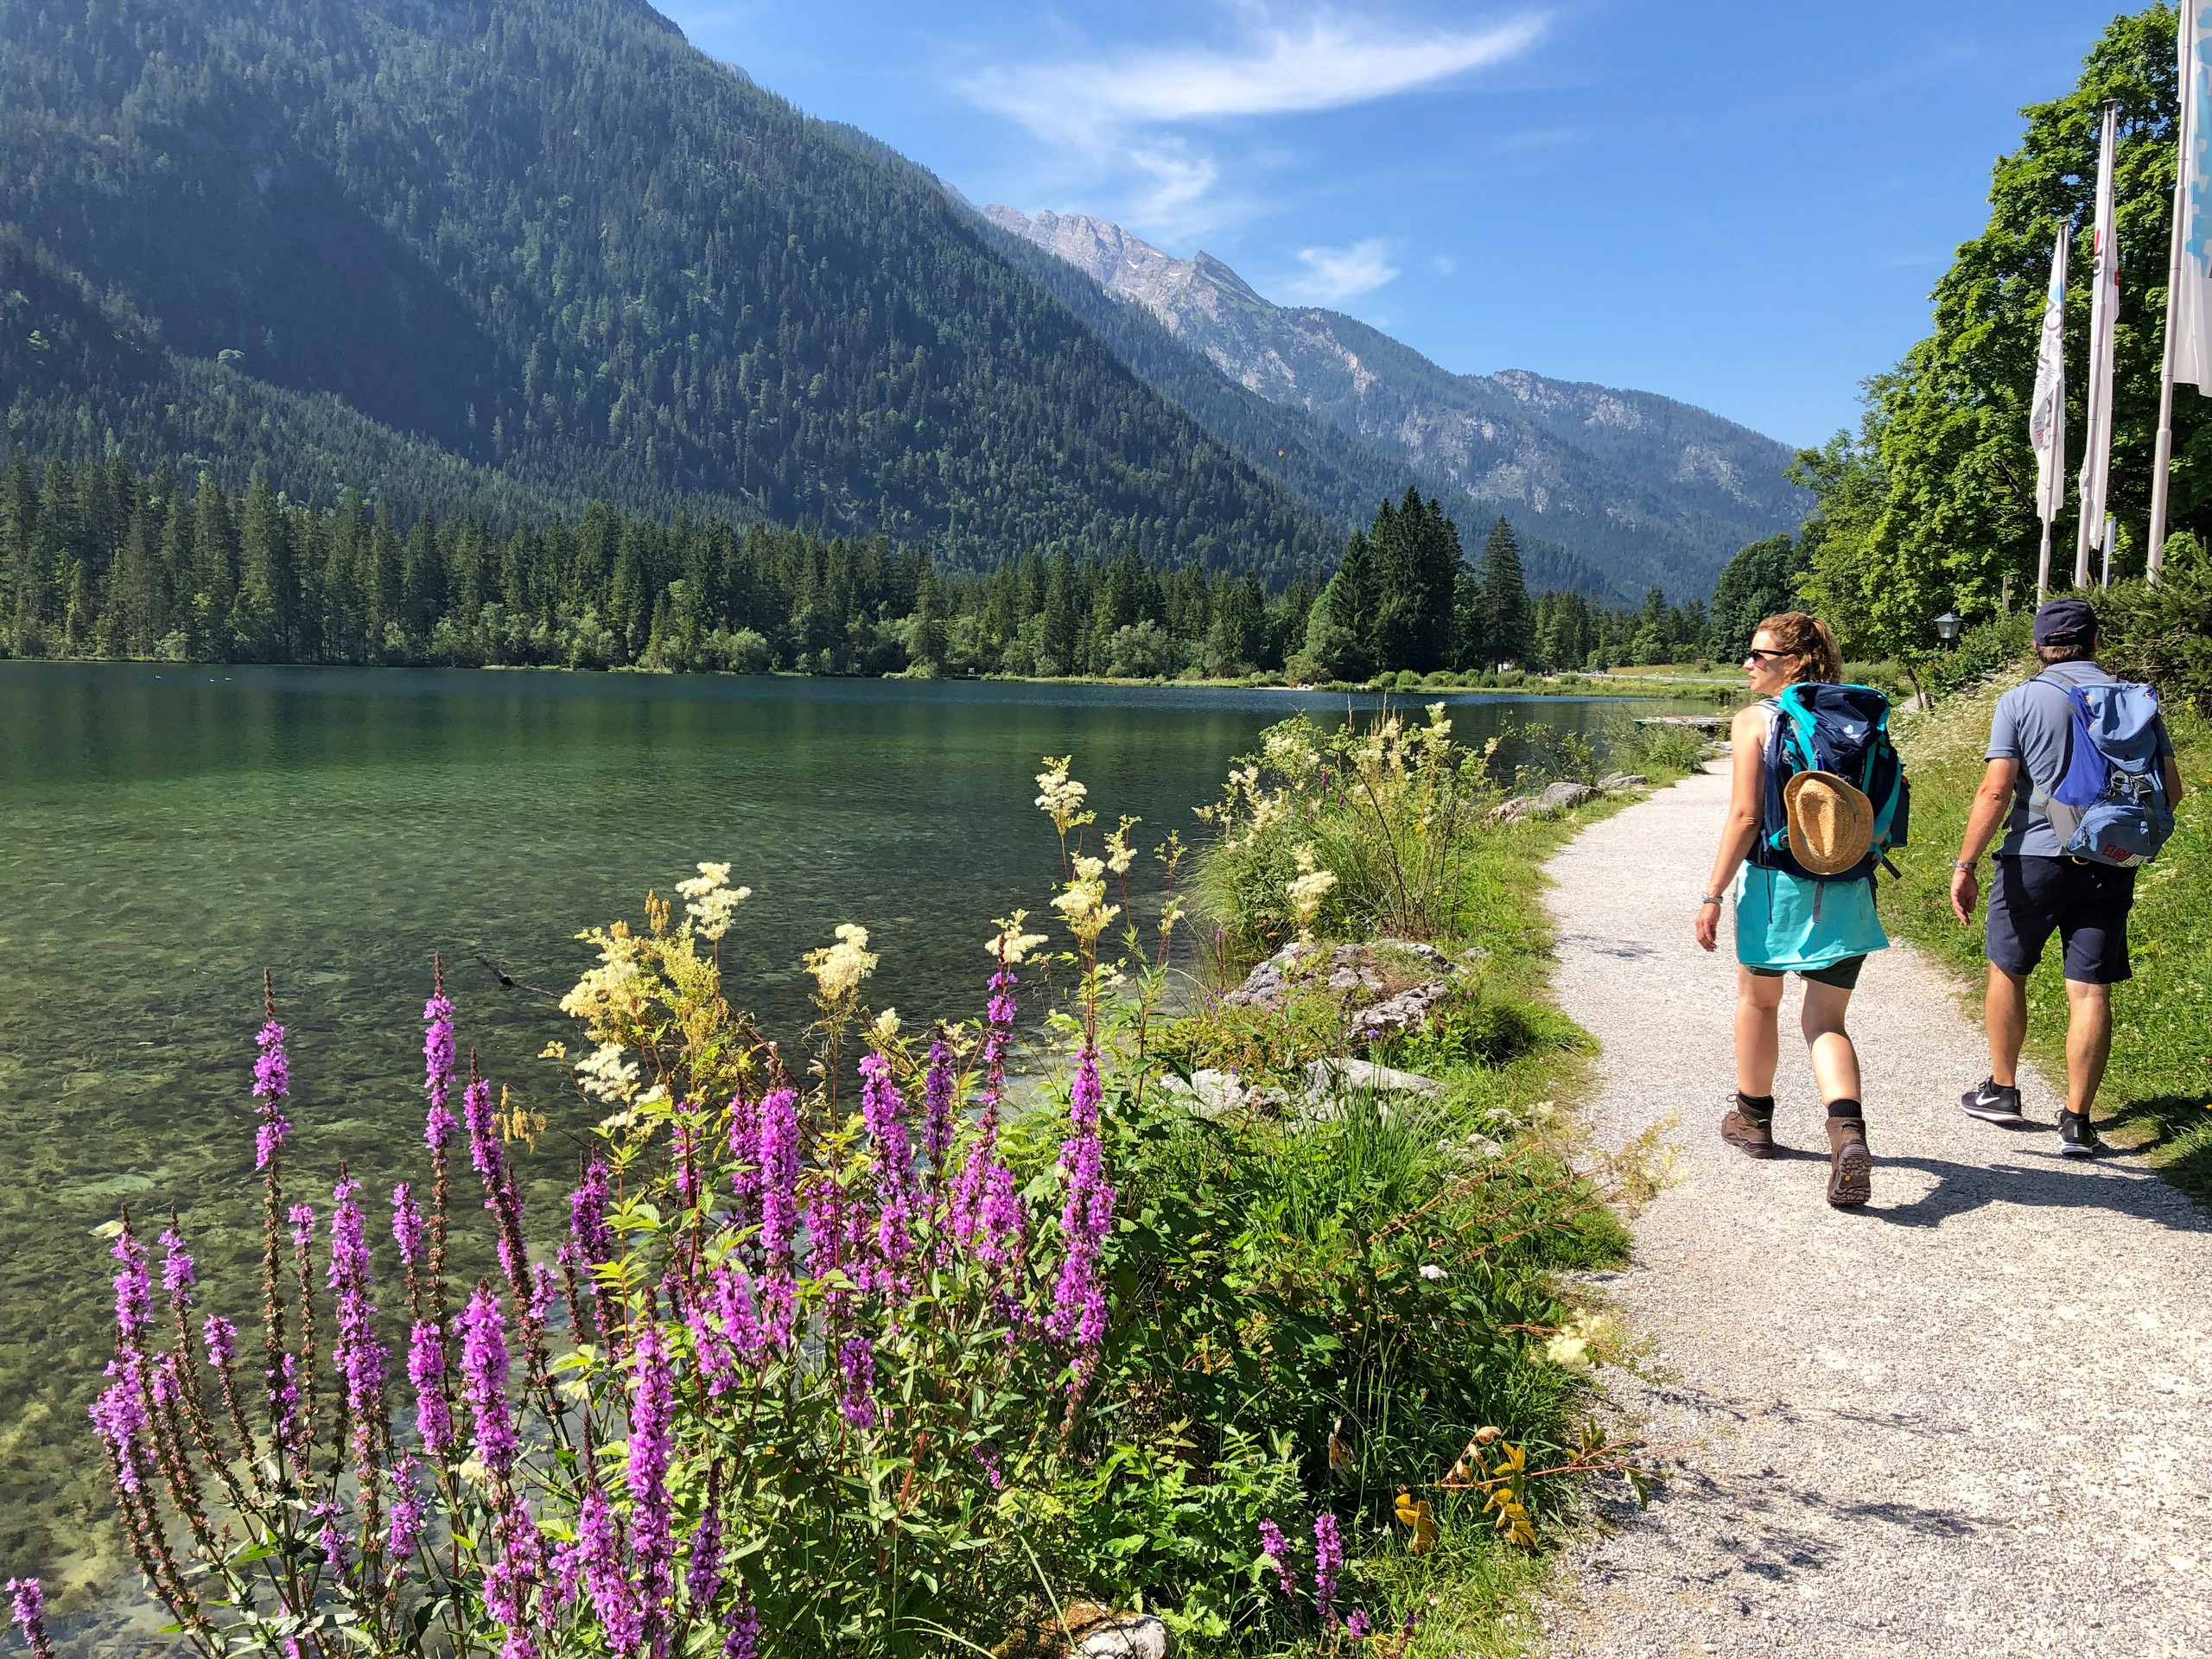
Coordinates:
x,y
2037,890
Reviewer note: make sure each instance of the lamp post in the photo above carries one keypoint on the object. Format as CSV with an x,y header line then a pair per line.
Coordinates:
x,y
1947,627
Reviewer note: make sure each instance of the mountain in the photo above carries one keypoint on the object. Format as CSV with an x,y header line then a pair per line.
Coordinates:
x,y
1650,491
518,253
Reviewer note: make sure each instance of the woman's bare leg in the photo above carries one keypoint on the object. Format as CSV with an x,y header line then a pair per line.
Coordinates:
x,y
1758,1002
1835,1062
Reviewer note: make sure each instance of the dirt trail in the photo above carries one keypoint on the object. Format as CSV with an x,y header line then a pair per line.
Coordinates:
x,y
1972,1419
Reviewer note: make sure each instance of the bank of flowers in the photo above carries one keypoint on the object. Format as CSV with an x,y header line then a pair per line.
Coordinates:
x,y
835,1350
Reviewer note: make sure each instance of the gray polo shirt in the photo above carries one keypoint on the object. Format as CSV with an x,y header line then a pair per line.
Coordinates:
x,y
2033,725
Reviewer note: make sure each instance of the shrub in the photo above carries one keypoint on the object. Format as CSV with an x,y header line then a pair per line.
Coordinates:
x,y
1377,815
2163,633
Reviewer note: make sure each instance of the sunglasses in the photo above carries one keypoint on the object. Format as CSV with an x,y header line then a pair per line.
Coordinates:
x,y
1755,655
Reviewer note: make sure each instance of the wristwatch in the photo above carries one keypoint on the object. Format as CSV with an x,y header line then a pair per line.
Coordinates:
x,y
1709,899
1966,866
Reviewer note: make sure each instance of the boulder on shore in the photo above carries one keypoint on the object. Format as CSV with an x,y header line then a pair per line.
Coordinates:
x,y
1388,984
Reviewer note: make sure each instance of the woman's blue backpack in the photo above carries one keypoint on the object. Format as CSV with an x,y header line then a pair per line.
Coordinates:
x,y
2110,806
1844,730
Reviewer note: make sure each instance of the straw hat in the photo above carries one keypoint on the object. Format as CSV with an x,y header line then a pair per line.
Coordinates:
x,y
1831,822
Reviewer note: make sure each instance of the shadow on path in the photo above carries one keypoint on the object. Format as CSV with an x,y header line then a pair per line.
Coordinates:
x,y
2056,1183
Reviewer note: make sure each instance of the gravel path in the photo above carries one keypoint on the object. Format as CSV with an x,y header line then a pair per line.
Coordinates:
x,y
1974,1418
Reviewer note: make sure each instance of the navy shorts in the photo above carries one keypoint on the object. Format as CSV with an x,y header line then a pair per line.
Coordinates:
x,y
2086,905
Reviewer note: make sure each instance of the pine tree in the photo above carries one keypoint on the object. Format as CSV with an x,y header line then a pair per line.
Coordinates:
x,y
1505,597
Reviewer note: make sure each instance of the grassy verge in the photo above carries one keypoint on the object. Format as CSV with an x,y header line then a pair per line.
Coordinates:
x,y
1403,1266
2160,1087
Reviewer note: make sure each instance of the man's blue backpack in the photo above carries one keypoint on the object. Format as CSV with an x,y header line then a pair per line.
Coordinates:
x,y
2110,805
1843,730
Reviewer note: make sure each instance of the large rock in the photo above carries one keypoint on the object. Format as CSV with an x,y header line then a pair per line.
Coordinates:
x,y
1617,783
1363,973
1101,1634
1211,1092
1511,811
1557,798
1339,1074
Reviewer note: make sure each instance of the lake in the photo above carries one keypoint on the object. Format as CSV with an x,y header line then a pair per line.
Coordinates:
x,y
166,832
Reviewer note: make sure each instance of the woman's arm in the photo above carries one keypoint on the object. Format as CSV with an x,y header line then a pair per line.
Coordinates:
x,y
1747,771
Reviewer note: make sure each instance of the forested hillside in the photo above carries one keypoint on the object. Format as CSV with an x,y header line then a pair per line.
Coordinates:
x,y
513,255
97,560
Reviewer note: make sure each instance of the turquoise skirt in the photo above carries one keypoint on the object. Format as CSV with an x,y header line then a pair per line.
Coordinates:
x,y
1785,921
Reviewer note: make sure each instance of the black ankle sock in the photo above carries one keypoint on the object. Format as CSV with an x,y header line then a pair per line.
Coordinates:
x,y
1755,1102
1844,1108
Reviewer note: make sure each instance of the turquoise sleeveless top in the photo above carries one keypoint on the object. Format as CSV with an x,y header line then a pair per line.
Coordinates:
x,y
1788,921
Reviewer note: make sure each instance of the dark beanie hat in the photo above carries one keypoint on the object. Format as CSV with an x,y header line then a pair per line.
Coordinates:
x,y
2064,622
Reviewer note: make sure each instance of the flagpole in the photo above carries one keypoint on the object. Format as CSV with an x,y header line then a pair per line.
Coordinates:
x,y
2096,458
2042,567
2162,456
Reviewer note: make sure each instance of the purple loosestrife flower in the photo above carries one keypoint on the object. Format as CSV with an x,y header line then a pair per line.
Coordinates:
x,y
936,1112
134,1295
883,1109
329,1538
702,1579
426,1369
484,1379
484,1150
684,1139
302,1215
993,1471
176,1266
568,1575
1078,1313
587,1213
1328,1556
742,1636
745,1156
407,1227
118,1415
544,1285
1356,1627
653,1541
606,1575
272,1082
406,1527
724,1327
285,1398
437,1066
222,1340
360,1356
27,1602
780,1211
856,1360
1276,1548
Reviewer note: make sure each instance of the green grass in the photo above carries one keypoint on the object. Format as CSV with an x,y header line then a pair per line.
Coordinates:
x,y
2157,1094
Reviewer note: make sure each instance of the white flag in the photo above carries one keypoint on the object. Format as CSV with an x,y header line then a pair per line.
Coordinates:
x,y
2191,301
2104,312
2047,413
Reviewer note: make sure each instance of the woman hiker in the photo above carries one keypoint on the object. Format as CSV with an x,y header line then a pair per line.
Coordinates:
x,y
1789,923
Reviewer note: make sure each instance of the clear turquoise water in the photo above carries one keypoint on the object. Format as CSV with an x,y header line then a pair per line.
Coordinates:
x,y
166,833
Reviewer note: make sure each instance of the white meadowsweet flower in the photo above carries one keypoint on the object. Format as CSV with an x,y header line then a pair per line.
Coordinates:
x,y
1310,887
1569,1349
1059,796
605,1076
1119,853
1010,945
1083,902
710,876
839,968
886,1028
1434,1275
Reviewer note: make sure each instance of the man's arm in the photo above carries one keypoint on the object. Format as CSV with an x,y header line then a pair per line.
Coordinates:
x,y
2173,781
1992,803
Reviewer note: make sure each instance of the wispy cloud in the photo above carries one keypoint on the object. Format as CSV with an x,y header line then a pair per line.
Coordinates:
x,y
1130,112
1335,275
1326,62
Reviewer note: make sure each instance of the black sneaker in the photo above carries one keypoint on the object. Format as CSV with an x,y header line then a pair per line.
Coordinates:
x,y
1993,1102
2075,1138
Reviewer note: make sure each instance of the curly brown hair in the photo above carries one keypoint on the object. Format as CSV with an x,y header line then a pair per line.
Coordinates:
x,y
1808,643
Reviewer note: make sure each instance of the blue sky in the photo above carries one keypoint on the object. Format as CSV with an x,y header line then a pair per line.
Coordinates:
x,y
1743,205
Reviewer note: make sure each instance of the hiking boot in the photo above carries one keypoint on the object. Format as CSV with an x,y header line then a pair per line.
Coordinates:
x,y
1749,1128
2075,1138
1850,1165
1993,1102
